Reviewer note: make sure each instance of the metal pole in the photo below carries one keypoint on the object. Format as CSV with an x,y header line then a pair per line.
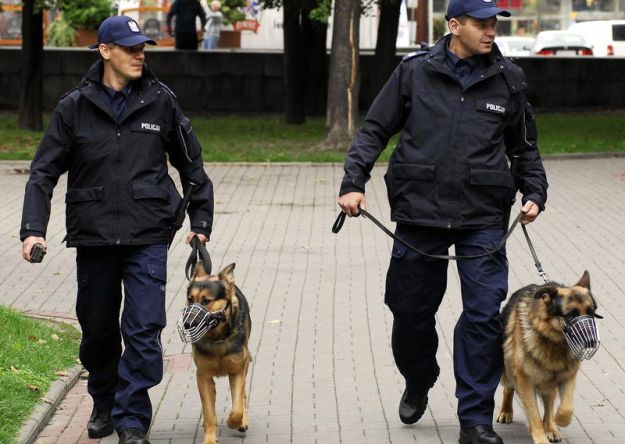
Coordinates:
x,y
430,22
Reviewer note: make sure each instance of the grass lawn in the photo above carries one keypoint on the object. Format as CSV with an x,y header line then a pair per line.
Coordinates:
x,y
32,352
265,138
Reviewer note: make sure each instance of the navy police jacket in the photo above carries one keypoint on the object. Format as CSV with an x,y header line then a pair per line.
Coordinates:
x,y
449,168
119,191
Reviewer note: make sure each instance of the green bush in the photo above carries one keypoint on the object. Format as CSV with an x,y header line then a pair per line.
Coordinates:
x,y
61,34
232,11
86,14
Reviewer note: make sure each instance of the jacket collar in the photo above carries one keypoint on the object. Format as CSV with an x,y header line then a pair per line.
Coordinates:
x,y
92,82
493,62
96,71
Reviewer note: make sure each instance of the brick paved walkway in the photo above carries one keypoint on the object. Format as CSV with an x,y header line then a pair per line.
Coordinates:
x,y
323,369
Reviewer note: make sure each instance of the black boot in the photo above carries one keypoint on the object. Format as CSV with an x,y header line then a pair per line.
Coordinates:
x,y
411,407
479,434
132,436
100,423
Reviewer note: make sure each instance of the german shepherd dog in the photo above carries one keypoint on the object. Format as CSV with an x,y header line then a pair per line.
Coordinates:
x,y
223,349
536,355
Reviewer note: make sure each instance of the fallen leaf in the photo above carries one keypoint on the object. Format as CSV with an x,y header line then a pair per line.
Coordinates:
x,y
274,321
61,373
55,337
32,388
47,400
14,370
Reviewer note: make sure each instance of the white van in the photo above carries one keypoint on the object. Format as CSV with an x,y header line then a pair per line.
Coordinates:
x,y
607,37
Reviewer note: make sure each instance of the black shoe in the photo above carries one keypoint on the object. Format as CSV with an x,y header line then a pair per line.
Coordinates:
x,y
411,407
479,434
132,436
100,423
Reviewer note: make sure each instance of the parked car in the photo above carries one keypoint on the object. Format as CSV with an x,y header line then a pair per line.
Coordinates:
x,y
514,46
605,37
561,43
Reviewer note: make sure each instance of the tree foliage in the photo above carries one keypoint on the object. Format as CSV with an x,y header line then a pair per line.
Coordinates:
x,y
85,14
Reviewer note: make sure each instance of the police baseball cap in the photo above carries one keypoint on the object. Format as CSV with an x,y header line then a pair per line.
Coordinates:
x,y
479,9
121,30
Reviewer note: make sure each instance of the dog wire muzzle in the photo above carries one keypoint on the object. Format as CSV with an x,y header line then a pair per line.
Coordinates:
x,y
195,321
582,337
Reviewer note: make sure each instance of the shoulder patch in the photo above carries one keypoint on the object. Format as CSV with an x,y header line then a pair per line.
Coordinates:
x,y
412,55
515,77
166,88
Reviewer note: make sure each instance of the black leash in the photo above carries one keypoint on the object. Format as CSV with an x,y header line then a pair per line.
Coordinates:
x,y
341,219
180,214
198,250
537,263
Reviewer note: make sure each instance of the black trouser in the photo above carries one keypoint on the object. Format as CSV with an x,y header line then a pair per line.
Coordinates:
x,y
121,380
186,40
415,286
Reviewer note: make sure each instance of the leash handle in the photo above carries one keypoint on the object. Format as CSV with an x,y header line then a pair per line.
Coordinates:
x,y
198,249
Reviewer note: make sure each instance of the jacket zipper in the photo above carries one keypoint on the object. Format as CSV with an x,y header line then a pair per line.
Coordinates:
x,y
119,155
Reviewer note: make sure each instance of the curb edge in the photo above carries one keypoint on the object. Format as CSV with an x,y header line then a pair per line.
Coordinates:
x,y
43,410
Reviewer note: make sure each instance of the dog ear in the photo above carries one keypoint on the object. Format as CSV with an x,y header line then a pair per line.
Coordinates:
x,y
584,281
227,274
199,271
546,292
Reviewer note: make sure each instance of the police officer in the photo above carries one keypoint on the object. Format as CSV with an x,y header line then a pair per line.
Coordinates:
x,y
462,111
185,32
113,135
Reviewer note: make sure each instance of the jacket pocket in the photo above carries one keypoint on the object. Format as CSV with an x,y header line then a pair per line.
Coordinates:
x,y
84,194
149,214
86,214
491,190
414,172
410,188
143,191
491,178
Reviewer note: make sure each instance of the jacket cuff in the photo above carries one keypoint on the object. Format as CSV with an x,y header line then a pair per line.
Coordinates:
x,y
25,234
349,185
534,198
203,231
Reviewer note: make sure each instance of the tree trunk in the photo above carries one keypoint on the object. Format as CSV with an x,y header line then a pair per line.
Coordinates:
x,y
31,88
385,47
316,71
293,63
342,110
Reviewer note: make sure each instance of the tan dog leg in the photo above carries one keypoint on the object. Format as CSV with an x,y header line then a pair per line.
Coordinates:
x,y
238,414
527,393
206,386
565,409
551,429
505,412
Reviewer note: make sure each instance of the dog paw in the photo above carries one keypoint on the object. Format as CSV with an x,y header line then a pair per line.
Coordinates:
x,y
504,417
243,428
553,435
235,421
563,418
